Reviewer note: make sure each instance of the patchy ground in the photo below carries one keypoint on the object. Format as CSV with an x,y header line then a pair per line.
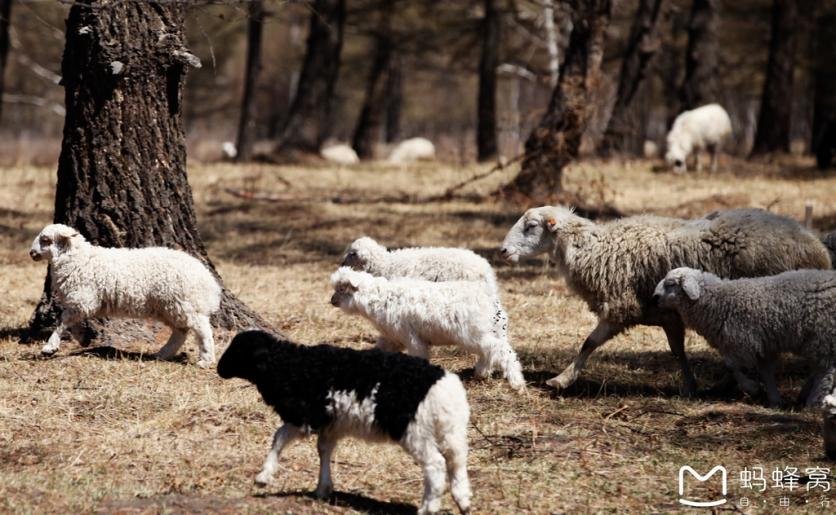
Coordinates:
x,y
108,430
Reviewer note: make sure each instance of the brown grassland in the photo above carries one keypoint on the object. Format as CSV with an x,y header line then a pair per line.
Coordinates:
x,y
118,432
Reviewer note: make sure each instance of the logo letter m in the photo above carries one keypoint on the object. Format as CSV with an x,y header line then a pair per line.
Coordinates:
x,y
702,479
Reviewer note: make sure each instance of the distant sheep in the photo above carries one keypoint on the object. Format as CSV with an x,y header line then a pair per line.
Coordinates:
x,y
341,154
371,395
829,422
430,263
615,266
415,314
411,150
157,283
751,322
703,128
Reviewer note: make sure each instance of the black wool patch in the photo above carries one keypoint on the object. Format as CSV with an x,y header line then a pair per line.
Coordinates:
x,y
295,379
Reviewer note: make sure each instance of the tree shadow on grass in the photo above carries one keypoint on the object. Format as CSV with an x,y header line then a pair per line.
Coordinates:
x,y
356,502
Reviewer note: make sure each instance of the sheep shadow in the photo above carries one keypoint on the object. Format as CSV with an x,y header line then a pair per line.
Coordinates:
x,y
107,352
356,502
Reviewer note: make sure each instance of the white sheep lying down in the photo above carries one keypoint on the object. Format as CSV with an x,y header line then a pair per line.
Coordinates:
x,y
751,322
411,150
157,283
414,314
704,128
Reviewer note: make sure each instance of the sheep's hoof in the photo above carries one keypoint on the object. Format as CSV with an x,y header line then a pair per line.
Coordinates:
x,y
560,382
323,493
262,480
205,363
48,351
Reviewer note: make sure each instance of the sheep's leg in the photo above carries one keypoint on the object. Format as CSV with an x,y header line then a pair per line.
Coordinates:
x,y
817,387
746,384
325,445
435,479
698,160
766,369
417,347
69,318
284,435
203,328
715,150
497,350
388,345
675,331
175,341
455,454
599,336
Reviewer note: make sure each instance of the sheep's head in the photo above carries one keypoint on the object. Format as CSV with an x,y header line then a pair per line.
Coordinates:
x,y
246,355
679,286
362,254
676,154
346,282
535,232
53,241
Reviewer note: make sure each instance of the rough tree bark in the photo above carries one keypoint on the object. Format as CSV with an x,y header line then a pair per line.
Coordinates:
x,y
773,129
246,123
486,123
700,85
394,99
372,114
5,21
556,140
309,121
122,169
642,45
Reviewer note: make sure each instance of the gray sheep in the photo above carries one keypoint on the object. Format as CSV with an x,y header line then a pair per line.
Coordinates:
x,y
615,266
751,322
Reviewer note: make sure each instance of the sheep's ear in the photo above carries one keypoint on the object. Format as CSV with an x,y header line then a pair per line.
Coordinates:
x,y
551,224
691,287
63,239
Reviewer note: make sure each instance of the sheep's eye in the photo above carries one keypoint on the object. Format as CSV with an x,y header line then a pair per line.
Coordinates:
x,y
351,253
530,225
46,240
670,283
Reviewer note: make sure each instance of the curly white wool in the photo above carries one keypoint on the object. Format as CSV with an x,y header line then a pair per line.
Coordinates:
x,y
157,283
704,128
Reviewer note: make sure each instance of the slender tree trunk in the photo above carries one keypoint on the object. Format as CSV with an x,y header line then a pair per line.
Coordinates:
x,y
824,95
700,85
309,119
122,169
394,99
551,42
372,114
773,130
5,21
642,45
556,140
246,124
486,123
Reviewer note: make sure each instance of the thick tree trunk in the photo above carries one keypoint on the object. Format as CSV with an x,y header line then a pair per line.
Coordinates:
x,y
642,45
824,75
394,99
556,140
309,120
773,130
122,170
372,114
246,123
5,21
486,123
700,85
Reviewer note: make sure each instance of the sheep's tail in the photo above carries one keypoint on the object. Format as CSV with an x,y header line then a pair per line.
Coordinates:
x,y
829,241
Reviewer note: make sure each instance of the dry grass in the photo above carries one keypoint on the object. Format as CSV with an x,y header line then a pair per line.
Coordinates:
x,y
106,431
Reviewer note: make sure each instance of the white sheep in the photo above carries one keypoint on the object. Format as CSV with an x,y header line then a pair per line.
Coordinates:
x,y
829,423
752,321
615,266
415,314
430,263
411,150
339,153
157,283
703,128
371,395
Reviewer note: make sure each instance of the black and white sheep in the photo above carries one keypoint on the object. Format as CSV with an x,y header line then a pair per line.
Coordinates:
x,y
157,283
414,314
372,395
615,266
752,321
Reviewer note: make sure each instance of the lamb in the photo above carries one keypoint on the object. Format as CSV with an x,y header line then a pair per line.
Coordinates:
x,y
615,266
430,263
414,314
372,395
703,128
411,150
158,283
752,321
339,153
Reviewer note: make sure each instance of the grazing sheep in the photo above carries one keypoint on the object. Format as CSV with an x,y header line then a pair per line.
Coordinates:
x,y
411,150
703,128
436,264
415,314
340,153
158,283
372,395
752,321
829,424
615,266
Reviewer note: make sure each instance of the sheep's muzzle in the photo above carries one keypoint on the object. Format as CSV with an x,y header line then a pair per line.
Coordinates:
x,y
35,255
